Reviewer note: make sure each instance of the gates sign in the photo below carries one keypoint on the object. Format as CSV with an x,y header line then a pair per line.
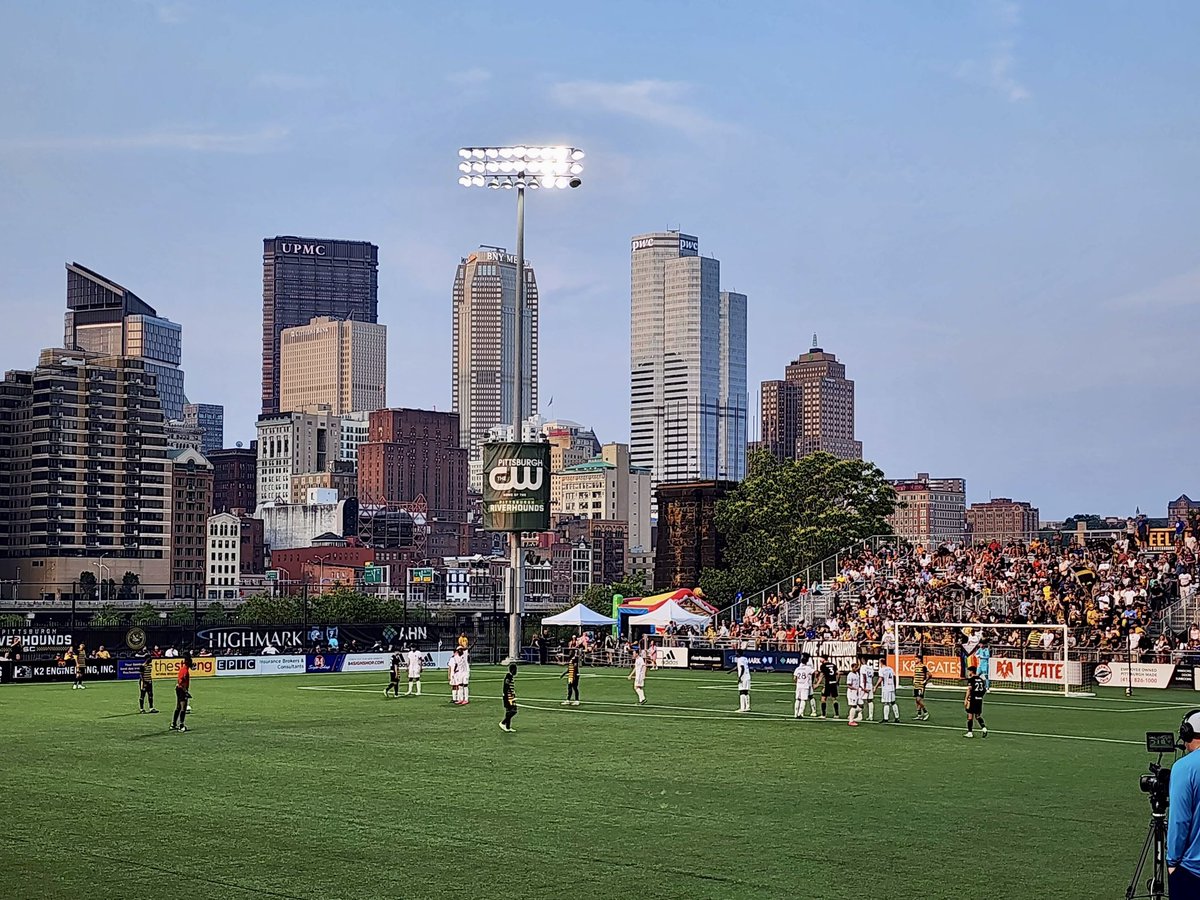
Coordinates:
x,y
516,487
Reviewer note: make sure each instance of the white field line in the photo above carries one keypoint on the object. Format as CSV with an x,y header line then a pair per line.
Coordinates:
x,y
554,705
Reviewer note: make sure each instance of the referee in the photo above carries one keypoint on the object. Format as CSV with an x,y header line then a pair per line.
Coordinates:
x,y
182,695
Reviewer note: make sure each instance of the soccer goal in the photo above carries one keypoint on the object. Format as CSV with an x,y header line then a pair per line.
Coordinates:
x,y
1034,665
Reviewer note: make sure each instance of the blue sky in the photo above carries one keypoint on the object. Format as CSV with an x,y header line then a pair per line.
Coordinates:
x,y
987,210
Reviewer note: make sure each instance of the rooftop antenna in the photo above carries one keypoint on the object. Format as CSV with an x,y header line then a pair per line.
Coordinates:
x,y
814,346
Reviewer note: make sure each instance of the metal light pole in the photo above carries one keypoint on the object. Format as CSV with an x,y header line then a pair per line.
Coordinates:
x,y
519,167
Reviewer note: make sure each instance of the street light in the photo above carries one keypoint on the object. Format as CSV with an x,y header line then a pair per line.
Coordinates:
x,y
520,167
100,567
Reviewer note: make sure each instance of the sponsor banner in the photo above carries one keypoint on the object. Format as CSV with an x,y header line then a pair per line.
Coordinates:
x,y
6,671
516,487
939,666
103,670
1143,675
235,638
238,665
281,665
1184,677
36,639
705,659
672,657
202,667
368,662
765,661
129,669
324,663
1035,671
438,659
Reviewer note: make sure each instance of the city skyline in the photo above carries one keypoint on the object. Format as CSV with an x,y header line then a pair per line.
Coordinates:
x,y
977,223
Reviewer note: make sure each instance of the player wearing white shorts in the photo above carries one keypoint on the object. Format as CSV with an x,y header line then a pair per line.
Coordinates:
x,y
741,667
415,664
454,675
803,676
638,676
464,677
868,688
854,694
887,691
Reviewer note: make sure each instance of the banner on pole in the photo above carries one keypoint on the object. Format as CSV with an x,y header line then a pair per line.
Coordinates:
x,y
516,487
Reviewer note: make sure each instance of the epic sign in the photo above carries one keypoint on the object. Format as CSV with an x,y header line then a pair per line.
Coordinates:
x,y
291,247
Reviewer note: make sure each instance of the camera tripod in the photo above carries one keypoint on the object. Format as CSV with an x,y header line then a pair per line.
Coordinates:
x,y
1156,844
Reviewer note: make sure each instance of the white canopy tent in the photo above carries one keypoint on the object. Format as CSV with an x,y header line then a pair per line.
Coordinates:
x,y
579,616
670,613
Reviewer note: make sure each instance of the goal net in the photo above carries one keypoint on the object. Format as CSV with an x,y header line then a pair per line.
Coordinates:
x,y
1018,658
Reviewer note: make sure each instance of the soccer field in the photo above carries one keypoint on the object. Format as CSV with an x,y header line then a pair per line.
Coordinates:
x,y
317,787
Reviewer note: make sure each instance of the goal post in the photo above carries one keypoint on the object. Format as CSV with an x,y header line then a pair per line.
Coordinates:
x,y
1030,665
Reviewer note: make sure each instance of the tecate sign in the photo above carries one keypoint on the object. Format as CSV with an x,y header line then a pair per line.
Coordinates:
x,y
301,249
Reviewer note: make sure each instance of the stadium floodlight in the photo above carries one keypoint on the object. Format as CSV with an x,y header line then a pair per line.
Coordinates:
x,y
552,167
505,168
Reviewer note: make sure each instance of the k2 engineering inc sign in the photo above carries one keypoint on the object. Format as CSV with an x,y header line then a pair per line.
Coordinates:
x,y
516,487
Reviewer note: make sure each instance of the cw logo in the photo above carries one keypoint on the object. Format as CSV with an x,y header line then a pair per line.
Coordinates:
x,y
515,478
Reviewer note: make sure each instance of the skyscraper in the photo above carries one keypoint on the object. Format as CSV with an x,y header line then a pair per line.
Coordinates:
x,y
308,277
485,303
104,317
811,409
84,474
210,419
687,364
338,364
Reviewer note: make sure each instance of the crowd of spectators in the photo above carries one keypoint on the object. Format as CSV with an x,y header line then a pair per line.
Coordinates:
x,y
1110,591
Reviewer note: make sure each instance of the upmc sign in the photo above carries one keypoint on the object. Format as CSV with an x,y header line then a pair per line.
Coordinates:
x,y
298,249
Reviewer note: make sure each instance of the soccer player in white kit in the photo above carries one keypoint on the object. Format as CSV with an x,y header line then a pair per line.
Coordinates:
x,y
803,676
415,664
454,675
464,676
887,691
854,694
867,688
741,666
638,676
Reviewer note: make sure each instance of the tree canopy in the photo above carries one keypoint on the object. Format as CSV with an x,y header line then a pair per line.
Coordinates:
x,y
789,514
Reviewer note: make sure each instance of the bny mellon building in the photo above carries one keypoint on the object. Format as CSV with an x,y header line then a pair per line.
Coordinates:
x,y
688,399
485,304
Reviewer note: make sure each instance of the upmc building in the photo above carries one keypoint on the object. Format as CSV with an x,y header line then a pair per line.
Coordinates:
x,y
308,277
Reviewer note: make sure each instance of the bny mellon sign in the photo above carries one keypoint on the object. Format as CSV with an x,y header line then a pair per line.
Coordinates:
x,y
516,487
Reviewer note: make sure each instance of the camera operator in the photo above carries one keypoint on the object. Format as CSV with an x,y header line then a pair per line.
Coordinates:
x,y
1183,818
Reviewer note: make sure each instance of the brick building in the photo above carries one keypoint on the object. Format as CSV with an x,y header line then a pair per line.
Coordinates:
x,y
688,541
191,498
1002,519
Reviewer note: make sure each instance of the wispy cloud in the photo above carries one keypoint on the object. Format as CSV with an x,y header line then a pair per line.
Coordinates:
x,y
470,77
289,81
660,102
997,71
196,141
1170,293
169,12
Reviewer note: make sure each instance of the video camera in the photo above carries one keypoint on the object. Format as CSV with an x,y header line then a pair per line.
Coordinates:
x,y
1158,782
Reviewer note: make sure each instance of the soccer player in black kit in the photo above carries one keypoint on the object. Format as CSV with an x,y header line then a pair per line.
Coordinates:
x,y
510,698
973,702
146,685
829,687
572,676
394,684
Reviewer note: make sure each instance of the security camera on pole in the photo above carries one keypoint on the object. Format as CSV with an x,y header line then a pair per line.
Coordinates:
x,y
516,476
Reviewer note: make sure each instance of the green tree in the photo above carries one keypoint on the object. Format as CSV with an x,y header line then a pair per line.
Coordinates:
x,y
145,614
214,615
108,614
129,586
87,585
789,514
180,614
266,610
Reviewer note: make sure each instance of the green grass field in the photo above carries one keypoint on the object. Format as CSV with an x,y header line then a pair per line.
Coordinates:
x,y
317,787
